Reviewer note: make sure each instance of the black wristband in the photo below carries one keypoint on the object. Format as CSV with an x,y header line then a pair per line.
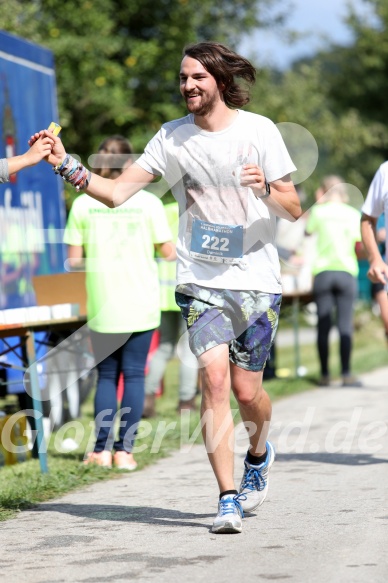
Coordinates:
x,y
267,190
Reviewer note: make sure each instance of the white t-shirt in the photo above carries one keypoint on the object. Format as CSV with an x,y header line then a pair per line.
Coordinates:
x,y
376,201
226,236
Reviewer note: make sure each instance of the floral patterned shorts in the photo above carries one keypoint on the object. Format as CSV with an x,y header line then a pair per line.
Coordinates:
x,y
246,320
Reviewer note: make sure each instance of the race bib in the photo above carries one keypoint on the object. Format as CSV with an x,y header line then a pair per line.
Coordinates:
x,y
214,242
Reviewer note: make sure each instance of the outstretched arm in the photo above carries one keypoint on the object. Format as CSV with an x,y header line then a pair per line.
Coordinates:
x,y
110,192
39,150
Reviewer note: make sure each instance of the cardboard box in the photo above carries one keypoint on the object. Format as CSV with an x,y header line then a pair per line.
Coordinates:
x,y
61,288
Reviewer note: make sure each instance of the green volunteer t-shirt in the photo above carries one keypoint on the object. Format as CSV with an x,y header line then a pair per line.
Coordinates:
x,y
122,281
167,269
337,226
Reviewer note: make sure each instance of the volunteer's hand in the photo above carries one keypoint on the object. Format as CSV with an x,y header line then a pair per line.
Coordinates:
x,y
58,152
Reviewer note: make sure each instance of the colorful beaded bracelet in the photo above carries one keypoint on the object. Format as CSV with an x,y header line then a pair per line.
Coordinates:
x,y
71,170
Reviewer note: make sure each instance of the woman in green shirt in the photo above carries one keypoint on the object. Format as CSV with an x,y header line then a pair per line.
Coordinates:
x,y
335,270
123,298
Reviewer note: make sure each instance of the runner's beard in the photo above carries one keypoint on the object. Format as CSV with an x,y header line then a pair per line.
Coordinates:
x,y
204,108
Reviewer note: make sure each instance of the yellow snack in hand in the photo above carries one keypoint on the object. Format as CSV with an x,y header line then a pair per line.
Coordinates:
x,y
55,128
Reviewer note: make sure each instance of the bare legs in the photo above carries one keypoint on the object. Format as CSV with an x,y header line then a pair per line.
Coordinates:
x,y
217,373
254,404
217,428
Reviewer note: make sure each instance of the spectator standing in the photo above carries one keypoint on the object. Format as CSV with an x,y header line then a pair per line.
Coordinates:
x,y
335,271
123,305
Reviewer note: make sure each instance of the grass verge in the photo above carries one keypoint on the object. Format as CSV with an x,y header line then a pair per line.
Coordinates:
x,y
23,485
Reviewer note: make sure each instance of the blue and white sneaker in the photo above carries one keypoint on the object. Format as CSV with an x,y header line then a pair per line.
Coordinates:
x,y
254,483
229,517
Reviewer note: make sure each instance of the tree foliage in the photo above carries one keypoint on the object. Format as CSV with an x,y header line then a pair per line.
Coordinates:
x,y
358,73
117,66
349,142
339,96
117,62
355,85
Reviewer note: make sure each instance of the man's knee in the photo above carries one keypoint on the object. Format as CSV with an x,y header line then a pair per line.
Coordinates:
x,y
249,393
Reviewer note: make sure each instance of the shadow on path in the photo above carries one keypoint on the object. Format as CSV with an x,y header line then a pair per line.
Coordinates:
x,y
135,514
345,459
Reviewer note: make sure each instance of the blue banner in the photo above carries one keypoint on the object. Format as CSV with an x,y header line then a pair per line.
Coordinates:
x,y
32,208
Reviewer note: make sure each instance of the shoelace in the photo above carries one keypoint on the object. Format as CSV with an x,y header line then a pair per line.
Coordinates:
x,y
253,480
228,505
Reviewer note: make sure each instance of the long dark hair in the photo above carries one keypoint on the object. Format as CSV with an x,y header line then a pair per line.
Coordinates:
x,y
224,65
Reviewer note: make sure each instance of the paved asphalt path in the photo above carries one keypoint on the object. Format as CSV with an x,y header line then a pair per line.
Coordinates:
x,y
325,519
